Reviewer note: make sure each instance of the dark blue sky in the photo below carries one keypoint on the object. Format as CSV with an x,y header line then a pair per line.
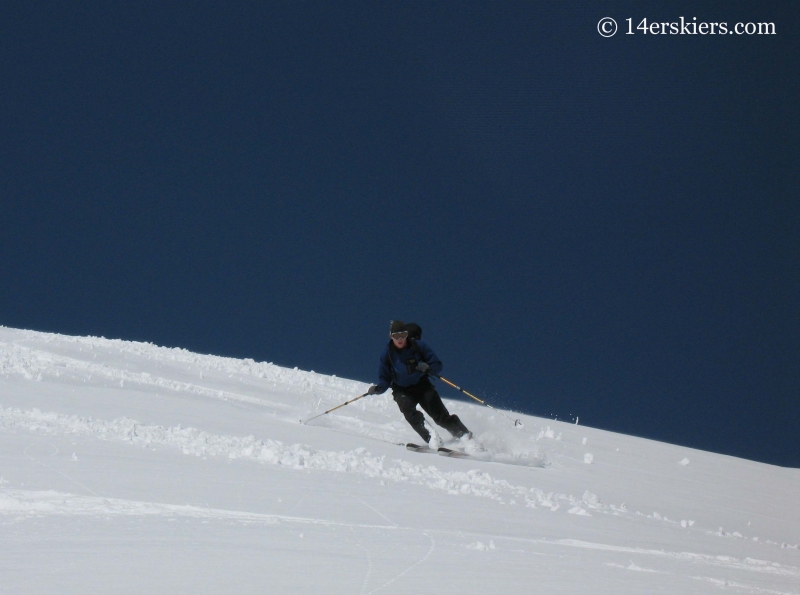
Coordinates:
x,y
605,228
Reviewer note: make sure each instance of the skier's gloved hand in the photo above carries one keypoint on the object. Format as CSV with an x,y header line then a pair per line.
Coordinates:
x,y
423,367
374,390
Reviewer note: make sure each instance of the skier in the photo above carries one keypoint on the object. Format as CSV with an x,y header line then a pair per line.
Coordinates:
x,y
405,365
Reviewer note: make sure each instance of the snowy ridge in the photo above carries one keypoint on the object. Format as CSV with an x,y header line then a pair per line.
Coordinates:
x,y
123,448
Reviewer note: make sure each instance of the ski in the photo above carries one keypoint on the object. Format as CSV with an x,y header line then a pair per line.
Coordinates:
x,y
445,452
418,448
449,452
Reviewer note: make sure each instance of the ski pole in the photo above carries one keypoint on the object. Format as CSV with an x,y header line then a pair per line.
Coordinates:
x,y
517,422
334,409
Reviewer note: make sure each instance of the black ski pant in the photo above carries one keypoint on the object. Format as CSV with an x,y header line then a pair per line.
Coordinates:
x,y
424,394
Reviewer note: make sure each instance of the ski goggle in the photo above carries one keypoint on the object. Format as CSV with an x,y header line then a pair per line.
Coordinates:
x,y
400,335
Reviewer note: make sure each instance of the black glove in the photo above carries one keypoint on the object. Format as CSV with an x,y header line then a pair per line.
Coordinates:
x,y
374,390
423,367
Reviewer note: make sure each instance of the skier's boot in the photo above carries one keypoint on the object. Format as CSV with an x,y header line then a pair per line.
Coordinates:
x,y
435,442
456,428
423,433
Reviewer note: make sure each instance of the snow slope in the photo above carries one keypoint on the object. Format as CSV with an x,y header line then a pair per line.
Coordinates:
x,y
131,468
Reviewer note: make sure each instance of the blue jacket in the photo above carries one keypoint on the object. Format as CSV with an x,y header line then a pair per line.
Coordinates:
x,y
398,366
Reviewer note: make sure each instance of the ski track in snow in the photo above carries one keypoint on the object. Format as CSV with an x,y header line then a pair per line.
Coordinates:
x,y
719,583
32,364
21,504
749,564
25,503
29,361
64,475
633,567
368,572
192,441
195,442
422,560
724,583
